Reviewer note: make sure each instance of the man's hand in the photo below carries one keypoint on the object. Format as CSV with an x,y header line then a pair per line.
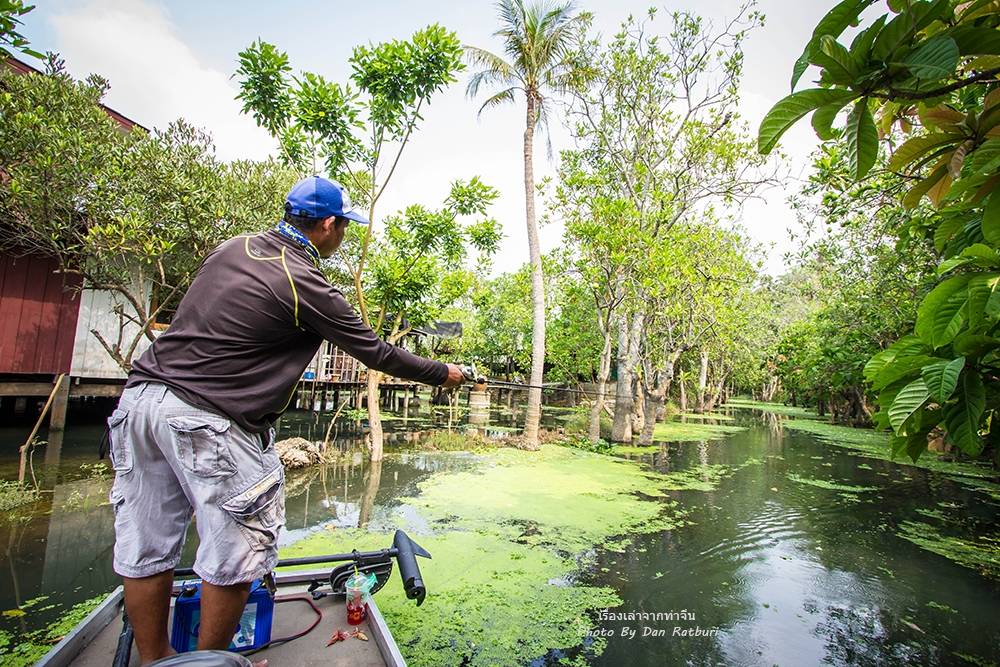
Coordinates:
x,y
455,377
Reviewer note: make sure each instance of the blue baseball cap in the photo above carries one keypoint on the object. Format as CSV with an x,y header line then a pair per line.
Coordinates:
x,y
318,197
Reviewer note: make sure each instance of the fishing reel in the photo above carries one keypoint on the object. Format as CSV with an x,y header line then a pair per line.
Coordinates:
x,y
472,375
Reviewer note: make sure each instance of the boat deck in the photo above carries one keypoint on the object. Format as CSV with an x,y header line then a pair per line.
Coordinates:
x,y
98,637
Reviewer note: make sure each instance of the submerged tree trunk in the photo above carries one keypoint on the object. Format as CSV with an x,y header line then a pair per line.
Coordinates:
x,y
534,409
594,431
654,402
702,382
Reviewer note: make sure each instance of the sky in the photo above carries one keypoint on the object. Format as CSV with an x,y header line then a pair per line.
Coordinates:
x,y
171,59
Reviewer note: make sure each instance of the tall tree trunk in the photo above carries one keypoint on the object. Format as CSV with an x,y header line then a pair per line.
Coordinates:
x,y
621,428
639,407
702,381
534,410
374,415
654,401
631,332
594,432
684,398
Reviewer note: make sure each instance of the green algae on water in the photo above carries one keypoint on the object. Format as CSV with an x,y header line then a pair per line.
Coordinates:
x,y
982,554
776,408
507,541
832,486
675,431
703,476
33,646
875,445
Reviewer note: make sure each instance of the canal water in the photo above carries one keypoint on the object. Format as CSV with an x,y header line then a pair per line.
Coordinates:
x,y
773,570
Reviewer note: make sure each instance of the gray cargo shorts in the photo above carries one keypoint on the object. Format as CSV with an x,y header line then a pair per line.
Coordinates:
x,y
173,460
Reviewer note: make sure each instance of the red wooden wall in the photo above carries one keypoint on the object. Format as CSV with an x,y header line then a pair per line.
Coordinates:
x,y
37,316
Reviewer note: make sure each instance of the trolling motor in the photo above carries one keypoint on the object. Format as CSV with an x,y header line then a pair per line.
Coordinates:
x,y
262,595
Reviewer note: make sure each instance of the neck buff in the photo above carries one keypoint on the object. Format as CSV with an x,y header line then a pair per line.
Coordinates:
x,y
288,231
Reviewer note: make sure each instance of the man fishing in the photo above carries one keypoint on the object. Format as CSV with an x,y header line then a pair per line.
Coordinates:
x,y
193,434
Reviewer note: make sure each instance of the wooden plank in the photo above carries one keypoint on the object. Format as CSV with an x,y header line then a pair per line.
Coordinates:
x,y
69,312
30,332
25,388
97,390
11,301
48,321
66,651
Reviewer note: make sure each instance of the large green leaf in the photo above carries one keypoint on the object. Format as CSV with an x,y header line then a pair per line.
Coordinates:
x,y
822,121
946,230
941,377
939,317
936,58
975,41
911,398
862,140
899,31
981,289
901,368
833,24
916,147
907,346
991,219
986,158
785,113
962,418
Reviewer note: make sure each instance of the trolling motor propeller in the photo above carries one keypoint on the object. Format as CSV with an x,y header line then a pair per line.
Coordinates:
x,y
406,552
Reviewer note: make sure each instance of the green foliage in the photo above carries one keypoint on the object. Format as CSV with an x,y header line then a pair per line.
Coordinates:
x,y
583,442
15,494
11,12
928,67
133,213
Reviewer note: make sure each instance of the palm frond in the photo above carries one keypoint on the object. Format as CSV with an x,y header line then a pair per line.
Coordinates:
x,y
506,95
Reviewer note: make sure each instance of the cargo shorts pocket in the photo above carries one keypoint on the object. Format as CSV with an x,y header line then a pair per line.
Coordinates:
x,y
259,510
120,449
202,444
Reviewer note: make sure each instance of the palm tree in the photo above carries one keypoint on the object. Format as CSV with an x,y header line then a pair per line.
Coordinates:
x,y
538,44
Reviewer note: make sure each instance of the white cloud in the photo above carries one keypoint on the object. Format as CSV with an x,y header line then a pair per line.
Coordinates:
x,y
155,77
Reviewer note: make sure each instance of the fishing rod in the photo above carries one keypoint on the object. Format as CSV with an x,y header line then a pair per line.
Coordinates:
x,y
472,375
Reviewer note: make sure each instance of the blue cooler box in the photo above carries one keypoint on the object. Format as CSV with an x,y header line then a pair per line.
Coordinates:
x,y
253,631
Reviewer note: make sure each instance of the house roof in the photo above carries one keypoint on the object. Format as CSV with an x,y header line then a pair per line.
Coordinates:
x,y
123,121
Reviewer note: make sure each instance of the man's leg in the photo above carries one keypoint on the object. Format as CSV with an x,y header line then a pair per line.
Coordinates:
x,y
147,601
221,607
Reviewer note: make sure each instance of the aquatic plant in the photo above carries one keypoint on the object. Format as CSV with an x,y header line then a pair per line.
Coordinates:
x,y
874,444
32,646
826,484
981,554
15,494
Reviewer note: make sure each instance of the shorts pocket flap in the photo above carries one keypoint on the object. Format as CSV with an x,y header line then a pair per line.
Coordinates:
x,y
188,423
251,500
117,417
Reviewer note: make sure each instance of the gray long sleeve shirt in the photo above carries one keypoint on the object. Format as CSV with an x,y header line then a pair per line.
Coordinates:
x,y
249,325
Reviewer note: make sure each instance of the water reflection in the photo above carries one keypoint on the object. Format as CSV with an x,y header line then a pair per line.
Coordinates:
x,y
785,572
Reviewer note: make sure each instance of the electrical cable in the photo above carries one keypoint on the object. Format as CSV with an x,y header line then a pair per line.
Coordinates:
x,y
285,640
